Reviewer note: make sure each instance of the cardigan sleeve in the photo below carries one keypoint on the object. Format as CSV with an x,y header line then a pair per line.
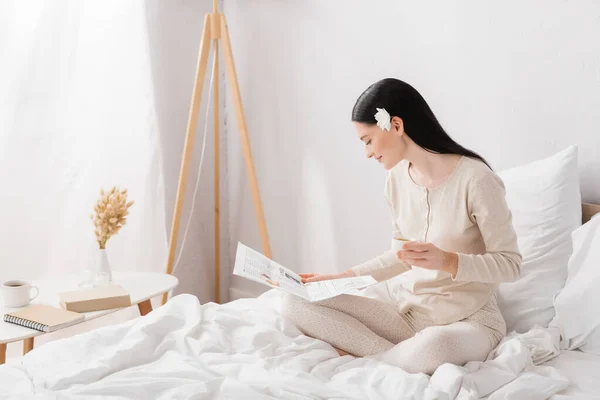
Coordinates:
x,y
488,208
386,265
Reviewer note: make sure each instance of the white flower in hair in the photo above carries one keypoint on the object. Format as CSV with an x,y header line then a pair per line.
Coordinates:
x,y
384,121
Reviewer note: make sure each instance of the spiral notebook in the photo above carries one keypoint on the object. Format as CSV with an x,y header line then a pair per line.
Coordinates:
x,y
43,317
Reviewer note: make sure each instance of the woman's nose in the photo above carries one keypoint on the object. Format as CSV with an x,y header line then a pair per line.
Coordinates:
x,y
369,154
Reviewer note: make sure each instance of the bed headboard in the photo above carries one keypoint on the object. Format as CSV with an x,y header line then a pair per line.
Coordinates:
x,y
589,210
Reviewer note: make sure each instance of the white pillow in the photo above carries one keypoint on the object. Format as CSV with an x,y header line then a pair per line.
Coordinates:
x,y
577,316
545,202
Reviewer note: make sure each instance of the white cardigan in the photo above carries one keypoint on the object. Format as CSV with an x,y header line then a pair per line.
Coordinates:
x,y
466,214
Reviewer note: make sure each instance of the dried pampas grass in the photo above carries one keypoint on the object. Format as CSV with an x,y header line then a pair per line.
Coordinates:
x,y
110,214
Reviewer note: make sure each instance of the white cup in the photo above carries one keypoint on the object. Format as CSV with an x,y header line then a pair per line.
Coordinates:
x,y
16,293
397,243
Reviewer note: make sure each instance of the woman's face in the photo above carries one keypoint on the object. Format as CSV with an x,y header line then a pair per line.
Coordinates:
x,y
385,147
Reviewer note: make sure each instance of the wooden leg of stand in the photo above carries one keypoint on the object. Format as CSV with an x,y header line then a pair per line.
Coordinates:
x,y
145,307
239,111
2,353
189,144
27,345
217,176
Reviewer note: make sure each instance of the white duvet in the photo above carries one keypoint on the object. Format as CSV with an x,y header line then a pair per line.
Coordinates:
x,y
246,350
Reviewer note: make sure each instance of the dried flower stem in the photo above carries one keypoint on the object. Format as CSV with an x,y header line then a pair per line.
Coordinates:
x,y
110,214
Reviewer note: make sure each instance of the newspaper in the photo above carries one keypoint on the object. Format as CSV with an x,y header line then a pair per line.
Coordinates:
x,y
254,266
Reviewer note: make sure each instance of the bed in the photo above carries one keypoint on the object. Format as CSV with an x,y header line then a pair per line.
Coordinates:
x,y
245,349
583,372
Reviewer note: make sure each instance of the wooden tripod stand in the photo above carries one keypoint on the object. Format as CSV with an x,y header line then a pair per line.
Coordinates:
x,y
215,29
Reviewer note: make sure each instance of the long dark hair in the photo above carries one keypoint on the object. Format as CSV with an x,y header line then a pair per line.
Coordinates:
x,y
420,124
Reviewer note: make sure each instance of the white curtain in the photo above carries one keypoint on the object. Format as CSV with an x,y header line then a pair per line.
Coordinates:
x,y
76,115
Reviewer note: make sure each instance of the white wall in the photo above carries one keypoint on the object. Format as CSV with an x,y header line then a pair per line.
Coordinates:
x,y
513,83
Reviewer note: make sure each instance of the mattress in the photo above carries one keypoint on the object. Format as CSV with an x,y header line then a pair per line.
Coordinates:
x,y
583,372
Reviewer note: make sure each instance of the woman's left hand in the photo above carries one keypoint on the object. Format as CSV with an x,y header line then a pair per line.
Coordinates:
x,y
427,255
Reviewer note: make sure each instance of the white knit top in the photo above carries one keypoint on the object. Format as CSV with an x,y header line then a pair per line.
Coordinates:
x,y
466,214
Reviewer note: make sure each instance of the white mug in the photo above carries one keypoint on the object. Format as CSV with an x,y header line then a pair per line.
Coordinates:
x,y
397,243
17,293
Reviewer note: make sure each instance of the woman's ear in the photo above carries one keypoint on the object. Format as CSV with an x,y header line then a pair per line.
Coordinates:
x,y
397,126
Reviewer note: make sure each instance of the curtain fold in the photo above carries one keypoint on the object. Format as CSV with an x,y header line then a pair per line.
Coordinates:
x,y
77,114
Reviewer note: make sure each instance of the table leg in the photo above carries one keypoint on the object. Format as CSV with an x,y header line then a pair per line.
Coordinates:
x,y
2,353
145,307
27,345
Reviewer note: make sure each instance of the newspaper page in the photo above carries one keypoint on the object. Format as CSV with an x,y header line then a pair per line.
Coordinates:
x,y
255,266
322,290
252,265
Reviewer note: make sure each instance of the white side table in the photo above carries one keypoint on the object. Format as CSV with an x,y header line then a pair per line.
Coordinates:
x,y
142,286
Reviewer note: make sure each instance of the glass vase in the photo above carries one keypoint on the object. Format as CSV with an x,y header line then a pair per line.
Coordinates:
x,y
98,272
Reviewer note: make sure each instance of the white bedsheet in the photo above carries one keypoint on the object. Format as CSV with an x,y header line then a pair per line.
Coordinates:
x,y
583,372
246,350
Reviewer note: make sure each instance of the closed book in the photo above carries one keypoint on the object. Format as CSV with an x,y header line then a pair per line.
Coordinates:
x,y
43,317
98,298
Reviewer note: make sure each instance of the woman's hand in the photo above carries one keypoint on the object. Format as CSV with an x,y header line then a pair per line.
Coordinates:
x,y
308,278
427,255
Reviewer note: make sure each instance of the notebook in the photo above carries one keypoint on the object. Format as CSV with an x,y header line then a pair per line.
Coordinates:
x,y
94,299
43,317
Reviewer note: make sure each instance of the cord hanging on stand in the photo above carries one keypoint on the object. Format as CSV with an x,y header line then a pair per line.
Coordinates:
x,y
204,135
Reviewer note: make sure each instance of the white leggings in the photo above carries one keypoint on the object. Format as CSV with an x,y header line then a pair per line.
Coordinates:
x,y
364,326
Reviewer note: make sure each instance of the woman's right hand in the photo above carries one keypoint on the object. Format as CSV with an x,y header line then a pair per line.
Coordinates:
x,y
308,278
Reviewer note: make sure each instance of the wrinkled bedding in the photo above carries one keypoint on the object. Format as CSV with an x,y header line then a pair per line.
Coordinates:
x,y
245,350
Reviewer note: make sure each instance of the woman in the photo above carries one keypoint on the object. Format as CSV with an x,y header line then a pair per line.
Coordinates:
x,y
443,308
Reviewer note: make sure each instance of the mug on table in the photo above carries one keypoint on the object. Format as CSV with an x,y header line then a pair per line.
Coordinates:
x,y
18,293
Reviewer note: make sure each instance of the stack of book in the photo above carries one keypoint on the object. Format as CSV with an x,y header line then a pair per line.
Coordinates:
x,y
95,299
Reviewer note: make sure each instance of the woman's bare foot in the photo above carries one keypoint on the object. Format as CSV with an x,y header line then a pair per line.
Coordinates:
x,y
342,352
